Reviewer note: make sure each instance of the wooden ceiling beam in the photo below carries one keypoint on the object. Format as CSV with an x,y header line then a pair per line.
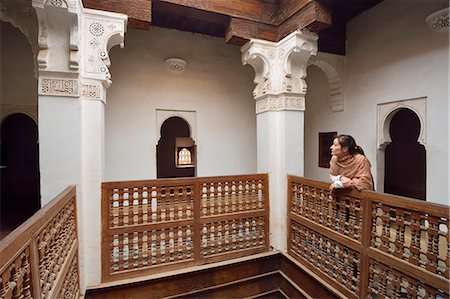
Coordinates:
x,y
252,10
139,11
239,31
314,17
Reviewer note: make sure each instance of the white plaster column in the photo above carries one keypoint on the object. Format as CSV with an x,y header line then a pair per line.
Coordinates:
x,y
280,70
73,77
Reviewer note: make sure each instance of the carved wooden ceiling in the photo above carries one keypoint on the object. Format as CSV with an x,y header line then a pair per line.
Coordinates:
x,y
239,20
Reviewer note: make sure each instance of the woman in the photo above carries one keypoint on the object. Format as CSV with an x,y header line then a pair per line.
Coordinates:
x,y
349,168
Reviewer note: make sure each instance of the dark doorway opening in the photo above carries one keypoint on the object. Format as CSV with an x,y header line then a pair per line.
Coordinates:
x,y
20,191
166,150
405,158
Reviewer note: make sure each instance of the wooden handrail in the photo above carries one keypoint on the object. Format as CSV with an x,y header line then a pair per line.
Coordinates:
x,y
170,224
367,243
39,259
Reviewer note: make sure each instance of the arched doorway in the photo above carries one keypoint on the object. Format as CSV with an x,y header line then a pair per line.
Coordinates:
x,y
405,158
175,150
20,192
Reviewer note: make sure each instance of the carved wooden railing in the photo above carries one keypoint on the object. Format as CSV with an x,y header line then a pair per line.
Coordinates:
x,y
367,244
161,225
39,259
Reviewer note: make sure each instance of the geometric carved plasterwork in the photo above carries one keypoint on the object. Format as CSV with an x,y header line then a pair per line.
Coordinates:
x,y
386,111
280,102
102,31
87,90
91,91
439,20
280,70
58,87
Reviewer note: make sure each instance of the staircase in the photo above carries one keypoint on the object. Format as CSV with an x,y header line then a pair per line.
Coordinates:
x,y
266,275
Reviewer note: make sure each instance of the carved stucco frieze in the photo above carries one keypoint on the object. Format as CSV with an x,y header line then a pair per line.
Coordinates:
x,y
58,87
280,68
102,31
91,91
280,102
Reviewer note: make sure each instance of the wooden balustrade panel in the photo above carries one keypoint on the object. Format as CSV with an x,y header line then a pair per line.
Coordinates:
x,y
39,259
313,201
403,244
150,204
233,215
54,242
150,223
145,249
234,235
15,279
177,223
70,288
324,256
388,282
418,237
227,195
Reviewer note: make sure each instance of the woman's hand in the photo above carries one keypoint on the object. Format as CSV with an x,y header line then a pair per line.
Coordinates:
x,y
332,187
346,181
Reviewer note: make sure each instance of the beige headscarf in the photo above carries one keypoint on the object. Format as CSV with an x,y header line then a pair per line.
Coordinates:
x,y
356,167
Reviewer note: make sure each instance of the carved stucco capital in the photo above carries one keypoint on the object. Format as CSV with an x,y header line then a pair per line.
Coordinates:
x,y
280,67
102,31
54,18
88,35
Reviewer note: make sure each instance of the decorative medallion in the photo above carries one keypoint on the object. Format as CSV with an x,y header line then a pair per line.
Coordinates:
x,y
439,20
175,65
96,29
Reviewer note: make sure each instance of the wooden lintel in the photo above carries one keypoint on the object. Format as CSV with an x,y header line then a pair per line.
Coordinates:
x,y
287,8
139,12
240,31
314,17
250,10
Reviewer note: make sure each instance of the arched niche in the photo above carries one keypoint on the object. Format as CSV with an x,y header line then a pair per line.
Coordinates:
x,y
189,116
385,113
174,143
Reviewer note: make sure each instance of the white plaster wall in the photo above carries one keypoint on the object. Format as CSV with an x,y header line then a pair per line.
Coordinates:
x,y
389,58
18,86
318,118
214,84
